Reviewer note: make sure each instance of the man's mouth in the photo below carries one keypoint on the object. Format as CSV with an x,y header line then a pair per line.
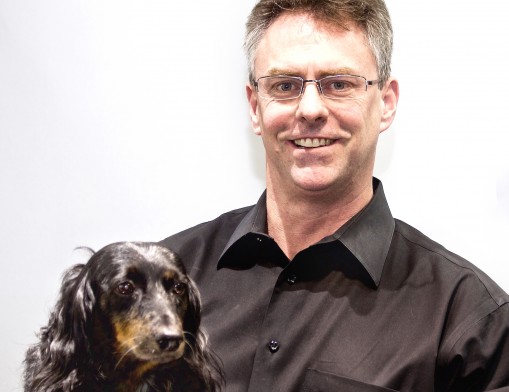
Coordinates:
x,y
312,143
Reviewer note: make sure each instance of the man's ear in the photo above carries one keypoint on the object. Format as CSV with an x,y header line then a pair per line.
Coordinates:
x,y
252,98
389,102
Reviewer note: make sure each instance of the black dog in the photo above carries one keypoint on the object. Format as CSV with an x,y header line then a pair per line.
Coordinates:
x,y
128,320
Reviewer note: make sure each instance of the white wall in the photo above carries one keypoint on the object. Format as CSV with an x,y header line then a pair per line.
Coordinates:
x,y
102,139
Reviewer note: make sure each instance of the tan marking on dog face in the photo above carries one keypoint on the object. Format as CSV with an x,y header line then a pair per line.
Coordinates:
x,y
170,274
128,335
136,342
143,368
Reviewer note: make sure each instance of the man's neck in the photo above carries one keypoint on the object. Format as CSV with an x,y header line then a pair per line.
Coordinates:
x,y
299,221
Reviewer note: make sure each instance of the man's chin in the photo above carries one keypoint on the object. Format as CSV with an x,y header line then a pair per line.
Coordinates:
x,y
315,188
315,180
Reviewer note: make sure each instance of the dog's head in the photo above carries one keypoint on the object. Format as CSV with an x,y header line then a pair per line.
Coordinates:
x,y
144,304
124,318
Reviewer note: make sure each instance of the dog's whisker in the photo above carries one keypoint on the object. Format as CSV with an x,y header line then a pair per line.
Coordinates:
x,y
186,342
190,334
124,355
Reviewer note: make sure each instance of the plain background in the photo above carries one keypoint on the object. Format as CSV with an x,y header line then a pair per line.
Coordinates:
x,y
127,120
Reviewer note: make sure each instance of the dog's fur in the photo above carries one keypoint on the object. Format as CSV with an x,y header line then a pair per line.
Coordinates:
x,y
128,320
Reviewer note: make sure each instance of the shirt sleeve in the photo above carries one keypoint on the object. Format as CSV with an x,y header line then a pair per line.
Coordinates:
x,y
478,360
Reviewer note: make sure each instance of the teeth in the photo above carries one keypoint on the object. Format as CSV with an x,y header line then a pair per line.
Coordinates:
x,y
312,142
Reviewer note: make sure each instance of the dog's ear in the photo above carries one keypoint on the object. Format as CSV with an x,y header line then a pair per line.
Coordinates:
x,y
63,346
192,318
202,361
79,300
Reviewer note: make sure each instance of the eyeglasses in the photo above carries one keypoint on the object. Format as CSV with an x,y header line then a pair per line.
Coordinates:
x,y
281,87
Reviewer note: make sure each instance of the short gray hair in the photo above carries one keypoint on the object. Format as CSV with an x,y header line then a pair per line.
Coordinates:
x,y
371,15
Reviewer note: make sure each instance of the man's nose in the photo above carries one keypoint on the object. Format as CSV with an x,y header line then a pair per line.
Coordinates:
x,y
311,105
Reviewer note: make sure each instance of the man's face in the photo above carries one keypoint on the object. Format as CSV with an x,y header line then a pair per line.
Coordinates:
x,y
297,45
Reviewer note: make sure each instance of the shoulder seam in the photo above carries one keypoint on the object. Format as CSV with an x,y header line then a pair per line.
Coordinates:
x,y
498,300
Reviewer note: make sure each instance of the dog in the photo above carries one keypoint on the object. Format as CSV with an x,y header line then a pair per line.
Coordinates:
x,y
127,320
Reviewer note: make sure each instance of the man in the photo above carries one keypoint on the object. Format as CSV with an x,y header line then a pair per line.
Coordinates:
x,y
317,287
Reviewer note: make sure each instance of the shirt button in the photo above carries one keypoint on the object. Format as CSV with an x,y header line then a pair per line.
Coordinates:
x,y
291,279
273,346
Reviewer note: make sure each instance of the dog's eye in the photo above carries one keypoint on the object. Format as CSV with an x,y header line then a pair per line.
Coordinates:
x,y
178,288
125,288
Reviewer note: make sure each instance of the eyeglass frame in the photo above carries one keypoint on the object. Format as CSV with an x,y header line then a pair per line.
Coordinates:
x,y
316,81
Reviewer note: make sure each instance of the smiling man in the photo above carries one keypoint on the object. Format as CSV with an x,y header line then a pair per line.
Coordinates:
x,y
320,135
317,287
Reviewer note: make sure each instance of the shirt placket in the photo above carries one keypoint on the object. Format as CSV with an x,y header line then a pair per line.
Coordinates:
x,y
272,340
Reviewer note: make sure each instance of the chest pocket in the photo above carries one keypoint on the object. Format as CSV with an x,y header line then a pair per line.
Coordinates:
x,y
318,381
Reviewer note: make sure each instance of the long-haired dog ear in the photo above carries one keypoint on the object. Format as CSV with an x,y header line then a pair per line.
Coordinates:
x,y
52,363
201,358
192,317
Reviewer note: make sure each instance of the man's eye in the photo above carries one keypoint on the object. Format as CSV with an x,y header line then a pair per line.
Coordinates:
x,y
125,288
338,85
281,85
285,86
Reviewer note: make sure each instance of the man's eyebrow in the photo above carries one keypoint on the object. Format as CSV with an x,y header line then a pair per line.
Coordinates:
x,y
281,71
337,71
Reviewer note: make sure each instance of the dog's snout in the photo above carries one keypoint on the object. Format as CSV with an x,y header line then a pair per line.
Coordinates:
x,y
169,342
166,319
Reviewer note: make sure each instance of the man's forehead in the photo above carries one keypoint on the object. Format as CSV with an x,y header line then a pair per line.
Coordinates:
x,y
294,41
309,23
308,30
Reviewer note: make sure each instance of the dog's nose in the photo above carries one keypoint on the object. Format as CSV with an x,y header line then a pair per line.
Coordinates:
x,y
169,342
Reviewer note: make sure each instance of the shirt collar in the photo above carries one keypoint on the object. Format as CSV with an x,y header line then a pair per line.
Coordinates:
x,y
367,235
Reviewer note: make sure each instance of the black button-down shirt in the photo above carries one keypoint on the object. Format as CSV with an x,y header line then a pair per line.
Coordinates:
x,y
377,306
